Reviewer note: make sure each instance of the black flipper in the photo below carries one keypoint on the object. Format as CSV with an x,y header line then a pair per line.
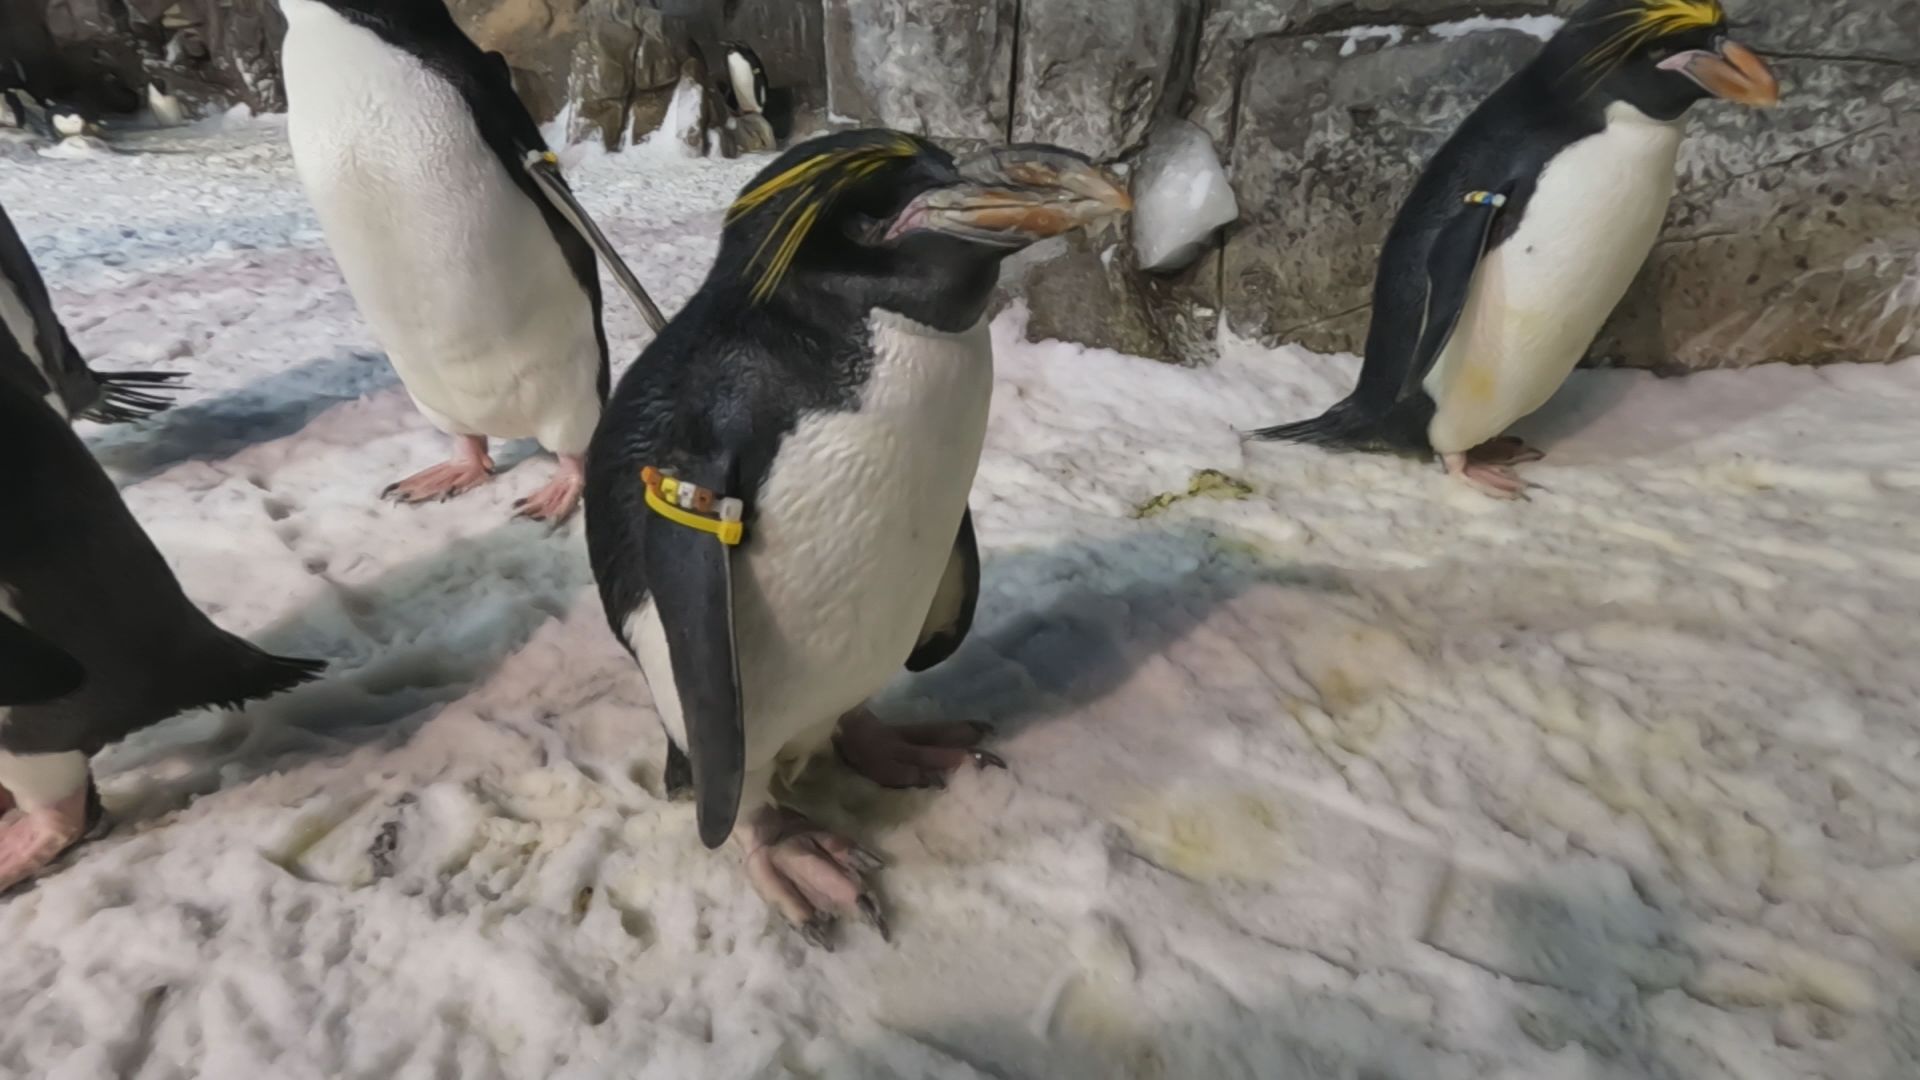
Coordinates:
x,y
691,576
951,615
252,673
1392,413
546,173
113,398
33,669
127,396
1456,254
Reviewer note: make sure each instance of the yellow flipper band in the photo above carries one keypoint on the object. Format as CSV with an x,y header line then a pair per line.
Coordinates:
x,y
1485,198
689,504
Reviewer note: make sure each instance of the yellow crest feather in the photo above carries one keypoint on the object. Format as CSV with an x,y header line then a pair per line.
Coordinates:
x,y
808,187
1646,21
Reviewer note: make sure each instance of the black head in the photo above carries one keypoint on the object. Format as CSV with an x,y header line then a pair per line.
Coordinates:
x,y
890,220
1660,56
742,49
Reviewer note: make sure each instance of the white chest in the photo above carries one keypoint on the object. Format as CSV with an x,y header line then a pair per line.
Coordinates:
x,y
851,532
1538,300
451,263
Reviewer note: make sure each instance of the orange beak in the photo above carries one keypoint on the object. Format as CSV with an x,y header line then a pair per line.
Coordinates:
x,y
1732,72
1012,196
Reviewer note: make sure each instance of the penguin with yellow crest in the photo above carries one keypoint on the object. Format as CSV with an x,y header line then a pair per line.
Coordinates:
x,y
1525,230
777,492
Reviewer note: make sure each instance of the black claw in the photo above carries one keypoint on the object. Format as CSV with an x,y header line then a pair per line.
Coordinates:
x,y
935,780
815,931
987,759
871,912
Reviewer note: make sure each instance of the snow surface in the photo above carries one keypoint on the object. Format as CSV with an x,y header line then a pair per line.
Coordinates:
x,y
1338,770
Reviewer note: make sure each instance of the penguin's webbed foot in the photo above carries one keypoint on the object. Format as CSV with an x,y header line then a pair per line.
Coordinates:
x,y
556,502
30,839
1497,481
1504,450
469,468
809,875
911,755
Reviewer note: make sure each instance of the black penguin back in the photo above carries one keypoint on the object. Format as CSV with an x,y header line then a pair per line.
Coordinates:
x,y
117,397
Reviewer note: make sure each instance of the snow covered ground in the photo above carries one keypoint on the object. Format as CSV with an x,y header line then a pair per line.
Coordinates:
x,y
1337,770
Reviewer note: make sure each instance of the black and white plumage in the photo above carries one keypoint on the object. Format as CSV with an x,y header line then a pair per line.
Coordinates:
x,y
413,148
26,112
37,355
165,107
833,373
1525,230
745,82
97,640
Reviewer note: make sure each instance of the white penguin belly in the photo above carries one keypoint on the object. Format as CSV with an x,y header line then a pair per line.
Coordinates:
x,y
452,265
851,532
1537,301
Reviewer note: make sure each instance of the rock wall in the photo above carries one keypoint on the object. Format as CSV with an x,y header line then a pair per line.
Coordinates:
x,y
1795,235
610,65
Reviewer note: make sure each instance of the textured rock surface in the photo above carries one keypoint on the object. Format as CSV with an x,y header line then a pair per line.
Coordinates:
x,y
934,67
622,74
101,53
1094,74
1795,235
1093,291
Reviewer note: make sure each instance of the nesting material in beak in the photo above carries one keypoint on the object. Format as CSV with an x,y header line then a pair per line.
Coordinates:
x,y
1013,196
1732,72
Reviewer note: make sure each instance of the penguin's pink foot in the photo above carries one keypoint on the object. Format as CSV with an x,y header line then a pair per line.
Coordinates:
x,y
910,755
469,468
556,502
1505,450
1498,481
809,875
30,839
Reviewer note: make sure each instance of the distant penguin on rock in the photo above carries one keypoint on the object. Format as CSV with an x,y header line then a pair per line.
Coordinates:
x,y
1524,232
777,495
37,356
96,638
745,85
165,108
414,149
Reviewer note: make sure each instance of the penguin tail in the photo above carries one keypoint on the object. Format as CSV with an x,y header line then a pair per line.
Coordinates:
x,y
127,396
1353,425
1344,426
251,674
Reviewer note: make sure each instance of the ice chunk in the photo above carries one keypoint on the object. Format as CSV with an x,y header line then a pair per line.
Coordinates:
x,y
1180,196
